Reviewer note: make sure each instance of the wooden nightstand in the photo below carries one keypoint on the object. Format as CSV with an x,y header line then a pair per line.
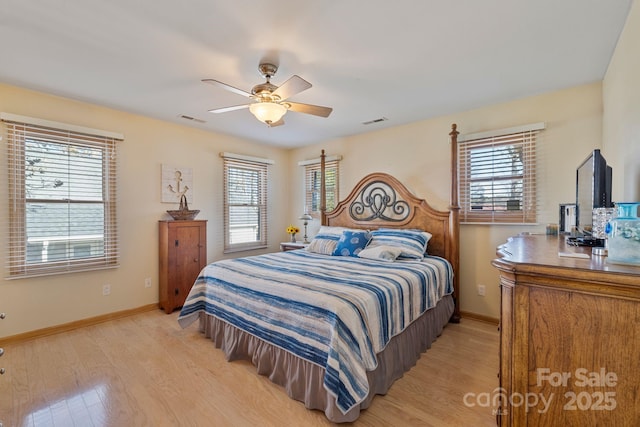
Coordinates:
x,y
290,246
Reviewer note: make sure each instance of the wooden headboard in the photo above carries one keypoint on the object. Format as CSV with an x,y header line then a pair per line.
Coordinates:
x,y
380,200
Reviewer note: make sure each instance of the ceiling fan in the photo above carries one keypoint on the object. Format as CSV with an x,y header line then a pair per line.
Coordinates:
x,y
270,102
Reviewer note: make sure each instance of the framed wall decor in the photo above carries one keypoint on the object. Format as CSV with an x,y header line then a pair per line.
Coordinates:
x,y
176,181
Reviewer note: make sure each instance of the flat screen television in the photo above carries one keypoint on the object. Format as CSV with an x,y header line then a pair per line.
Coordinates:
x,y
593,190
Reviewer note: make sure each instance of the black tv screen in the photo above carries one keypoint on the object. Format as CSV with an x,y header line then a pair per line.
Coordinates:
x,y
593,190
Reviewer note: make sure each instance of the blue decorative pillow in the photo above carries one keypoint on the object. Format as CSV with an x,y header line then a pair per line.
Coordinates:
x,y
352,242
413,243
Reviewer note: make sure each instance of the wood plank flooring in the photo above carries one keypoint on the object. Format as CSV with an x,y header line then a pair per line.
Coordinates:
x,y
144,370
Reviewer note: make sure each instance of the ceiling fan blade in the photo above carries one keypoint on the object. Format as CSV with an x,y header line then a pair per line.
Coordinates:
x,y
227,109
294,85
228,87
316,110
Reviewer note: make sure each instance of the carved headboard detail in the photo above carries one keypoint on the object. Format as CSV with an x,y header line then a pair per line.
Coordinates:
x,y
378,200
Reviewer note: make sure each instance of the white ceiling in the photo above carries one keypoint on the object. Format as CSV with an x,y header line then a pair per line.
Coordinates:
x,y
406,60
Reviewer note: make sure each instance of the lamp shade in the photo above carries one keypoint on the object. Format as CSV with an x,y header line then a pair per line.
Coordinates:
x,y
268,112
306,217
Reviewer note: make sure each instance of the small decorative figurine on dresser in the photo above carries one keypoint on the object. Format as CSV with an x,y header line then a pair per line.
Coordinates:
x,y
623,233
183,213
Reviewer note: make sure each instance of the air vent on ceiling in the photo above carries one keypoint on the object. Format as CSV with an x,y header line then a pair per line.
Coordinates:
x,y
193,119
381,119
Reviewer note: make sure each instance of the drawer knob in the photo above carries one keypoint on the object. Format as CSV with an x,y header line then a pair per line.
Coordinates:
x,y
1,351
2,371
2,315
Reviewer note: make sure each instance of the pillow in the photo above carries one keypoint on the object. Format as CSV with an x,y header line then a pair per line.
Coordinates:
x,y
413,243
324,244
382,252
331,230
351,243
326,240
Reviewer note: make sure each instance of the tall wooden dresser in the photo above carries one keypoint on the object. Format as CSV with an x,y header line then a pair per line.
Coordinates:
x,y
569,336
183,253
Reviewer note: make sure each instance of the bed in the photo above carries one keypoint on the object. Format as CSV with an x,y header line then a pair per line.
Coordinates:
x,y
337,323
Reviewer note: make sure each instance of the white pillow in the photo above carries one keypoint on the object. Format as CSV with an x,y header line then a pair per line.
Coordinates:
x,y
384,253
413,243
332,231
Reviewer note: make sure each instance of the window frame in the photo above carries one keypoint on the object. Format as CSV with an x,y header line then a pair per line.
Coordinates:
x,y
494,154
20,132
312,192
260,167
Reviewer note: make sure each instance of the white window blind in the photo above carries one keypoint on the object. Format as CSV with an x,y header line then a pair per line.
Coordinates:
x,y
245,203
62,199
497,176
312,185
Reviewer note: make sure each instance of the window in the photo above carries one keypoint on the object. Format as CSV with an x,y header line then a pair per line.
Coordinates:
x,y
497,175
62,197
245,202
312,184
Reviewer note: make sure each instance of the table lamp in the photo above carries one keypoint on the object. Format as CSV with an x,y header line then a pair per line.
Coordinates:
x,y
306,218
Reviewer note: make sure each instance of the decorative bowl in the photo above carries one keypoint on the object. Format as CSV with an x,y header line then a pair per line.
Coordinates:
x,y
183,215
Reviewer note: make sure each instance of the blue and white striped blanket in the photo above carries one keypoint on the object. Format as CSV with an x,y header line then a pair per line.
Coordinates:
x,y
336,312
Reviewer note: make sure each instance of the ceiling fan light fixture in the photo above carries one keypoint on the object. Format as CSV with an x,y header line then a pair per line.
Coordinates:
x,y
269,103
268,112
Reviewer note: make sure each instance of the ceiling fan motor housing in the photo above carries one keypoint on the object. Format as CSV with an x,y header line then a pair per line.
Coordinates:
x,y
264,90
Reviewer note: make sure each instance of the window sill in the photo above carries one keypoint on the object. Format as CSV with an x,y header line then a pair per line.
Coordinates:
x,y
244,249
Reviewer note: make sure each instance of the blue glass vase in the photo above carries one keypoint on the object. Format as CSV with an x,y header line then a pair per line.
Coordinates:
x,y
623,233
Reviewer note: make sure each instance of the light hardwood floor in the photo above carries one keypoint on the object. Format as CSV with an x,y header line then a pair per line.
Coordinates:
x,y
144,370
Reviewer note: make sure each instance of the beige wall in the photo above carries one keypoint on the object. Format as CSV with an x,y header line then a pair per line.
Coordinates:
x,y
418,155
38,303
621,117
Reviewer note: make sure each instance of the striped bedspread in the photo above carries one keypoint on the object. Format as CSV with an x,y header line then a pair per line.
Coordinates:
x,y
336,312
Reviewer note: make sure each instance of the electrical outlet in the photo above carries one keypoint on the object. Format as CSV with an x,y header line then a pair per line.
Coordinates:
x,y
106,289
147,282
481,290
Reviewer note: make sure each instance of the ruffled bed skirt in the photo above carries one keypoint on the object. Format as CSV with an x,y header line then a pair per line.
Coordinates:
x,y
303,380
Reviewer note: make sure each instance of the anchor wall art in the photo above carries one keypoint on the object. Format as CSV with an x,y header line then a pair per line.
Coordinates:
x,y
176,181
